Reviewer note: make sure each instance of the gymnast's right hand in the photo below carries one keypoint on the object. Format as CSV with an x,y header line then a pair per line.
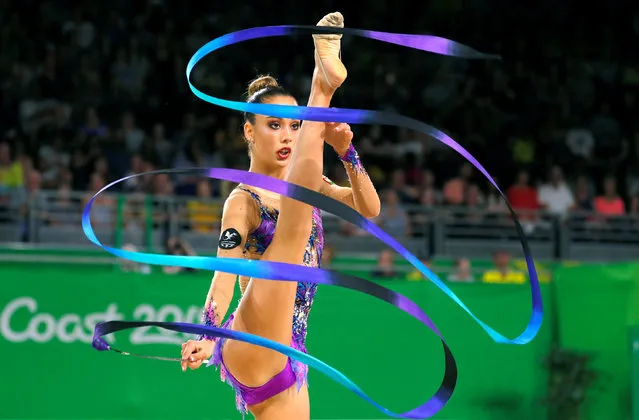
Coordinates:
x,y
195,352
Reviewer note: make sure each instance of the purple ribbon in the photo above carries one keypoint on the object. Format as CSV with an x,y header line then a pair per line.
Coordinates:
x,y
286,272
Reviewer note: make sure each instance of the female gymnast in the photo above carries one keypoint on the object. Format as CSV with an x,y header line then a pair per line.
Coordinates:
x,y
267,383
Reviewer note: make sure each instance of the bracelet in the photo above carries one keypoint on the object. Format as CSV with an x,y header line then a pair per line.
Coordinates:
x,y
352,158
209,319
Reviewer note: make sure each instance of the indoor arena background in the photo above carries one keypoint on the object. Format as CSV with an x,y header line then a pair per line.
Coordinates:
x,y
91,93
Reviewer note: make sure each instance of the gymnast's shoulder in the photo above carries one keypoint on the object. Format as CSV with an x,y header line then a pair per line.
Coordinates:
x,y
239,201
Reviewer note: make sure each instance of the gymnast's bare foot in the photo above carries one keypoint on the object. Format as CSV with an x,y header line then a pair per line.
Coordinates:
x,y
328,66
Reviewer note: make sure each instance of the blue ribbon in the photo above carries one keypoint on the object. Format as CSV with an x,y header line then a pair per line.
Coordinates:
x,y
286,272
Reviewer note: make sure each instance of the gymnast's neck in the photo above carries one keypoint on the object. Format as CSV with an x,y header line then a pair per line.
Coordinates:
x,y
258,167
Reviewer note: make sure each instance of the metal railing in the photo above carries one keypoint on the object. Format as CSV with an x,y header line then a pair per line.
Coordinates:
x,y
145,221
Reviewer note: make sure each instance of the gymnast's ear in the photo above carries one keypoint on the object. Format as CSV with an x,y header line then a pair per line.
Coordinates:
x,y
248,132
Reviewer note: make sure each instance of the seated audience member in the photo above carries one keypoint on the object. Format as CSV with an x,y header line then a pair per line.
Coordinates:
x,y
609,203
203,214
393,218
523,197
555,196
385,265
583,196
462,272
415,274
455,188
503,273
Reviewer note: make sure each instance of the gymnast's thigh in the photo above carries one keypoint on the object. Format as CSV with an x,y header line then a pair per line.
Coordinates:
x,y
250,364
287,405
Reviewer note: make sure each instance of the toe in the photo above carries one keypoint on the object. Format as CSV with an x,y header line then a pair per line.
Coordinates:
x,y
335,19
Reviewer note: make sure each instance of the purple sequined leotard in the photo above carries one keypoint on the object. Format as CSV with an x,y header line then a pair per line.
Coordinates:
x,y
295,372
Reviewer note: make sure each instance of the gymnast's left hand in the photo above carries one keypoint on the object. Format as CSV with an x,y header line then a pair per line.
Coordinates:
x,y
339,136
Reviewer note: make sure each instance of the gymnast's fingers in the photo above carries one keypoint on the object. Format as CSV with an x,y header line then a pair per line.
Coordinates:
x,y
195,359
194,364
200,354
188,349
341,128
349,133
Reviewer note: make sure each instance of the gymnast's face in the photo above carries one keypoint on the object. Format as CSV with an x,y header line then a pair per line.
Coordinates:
x,y
272,139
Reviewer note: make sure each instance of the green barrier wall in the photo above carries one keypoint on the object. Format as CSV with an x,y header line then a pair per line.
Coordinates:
x,y
49,369
634,351
596,306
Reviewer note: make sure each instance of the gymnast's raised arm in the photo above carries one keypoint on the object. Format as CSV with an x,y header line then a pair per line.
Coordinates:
x,y
236,223
361,195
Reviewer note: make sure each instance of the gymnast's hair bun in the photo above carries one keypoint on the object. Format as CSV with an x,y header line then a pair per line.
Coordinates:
x,y
260,83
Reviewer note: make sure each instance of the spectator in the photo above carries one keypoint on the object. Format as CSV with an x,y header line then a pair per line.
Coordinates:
x,y
158,145
103,207
413,173
53,160
126,75
136,166
555,196
429,183
135,218
462,273
11,180
474,201
415,274
11,171
92,124
609,203
428,198
162,193
583,196
405,193
502,272
31,205
523,197
162,185
101,168
455,188
204,215
130,133
495,203
385,265
64,210
473,197
393,218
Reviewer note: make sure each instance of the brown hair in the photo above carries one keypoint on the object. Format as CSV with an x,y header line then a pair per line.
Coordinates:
x,y
260,89
262,82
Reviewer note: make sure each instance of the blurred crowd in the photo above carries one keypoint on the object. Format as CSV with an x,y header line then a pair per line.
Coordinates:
x,y
502,270
90,94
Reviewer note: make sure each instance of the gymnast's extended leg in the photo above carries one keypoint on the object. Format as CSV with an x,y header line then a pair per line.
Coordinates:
x,y
266,308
